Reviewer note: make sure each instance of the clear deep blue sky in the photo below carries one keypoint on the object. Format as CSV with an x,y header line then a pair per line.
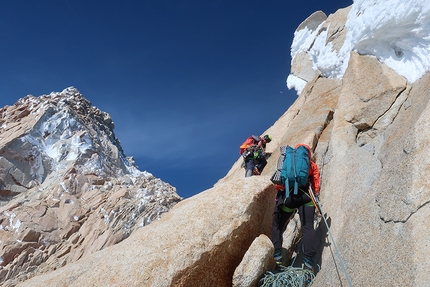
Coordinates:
x,y
185,82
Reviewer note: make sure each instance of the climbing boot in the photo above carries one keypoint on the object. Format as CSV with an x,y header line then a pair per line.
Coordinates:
x,y
256,171
308,265
278,257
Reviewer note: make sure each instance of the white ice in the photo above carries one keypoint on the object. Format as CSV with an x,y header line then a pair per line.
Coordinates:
x,y
396,32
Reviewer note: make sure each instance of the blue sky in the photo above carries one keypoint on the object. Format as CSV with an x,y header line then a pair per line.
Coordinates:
x,y
185,82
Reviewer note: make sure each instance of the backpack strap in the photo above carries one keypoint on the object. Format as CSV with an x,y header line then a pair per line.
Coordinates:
x,y
296,183
287,189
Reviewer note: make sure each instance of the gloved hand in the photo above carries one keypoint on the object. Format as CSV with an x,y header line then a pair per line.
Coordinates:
x,y
279,187
317,197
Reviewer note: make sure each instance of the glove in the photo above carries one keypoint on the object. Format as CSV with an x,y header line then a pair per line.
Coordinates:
x,y
279,187
317,197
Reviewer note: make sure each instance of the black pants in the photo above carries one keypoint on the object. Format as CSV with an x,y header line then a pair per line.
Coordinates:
x,y
281,217
259,162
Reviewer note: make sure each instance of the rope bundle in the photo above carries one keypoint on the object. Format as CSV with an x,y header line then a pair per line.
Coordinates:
x,y
287,277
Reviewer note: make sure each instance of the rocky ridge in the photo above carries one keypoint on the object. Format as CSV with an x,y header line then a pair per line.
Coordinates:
x,y
66,187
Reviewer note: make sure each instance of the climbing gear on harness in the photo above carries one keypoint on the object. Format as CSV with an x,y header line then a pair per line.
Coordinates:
x,y
253,152
249,153
287,277
276,177
318,205
314,201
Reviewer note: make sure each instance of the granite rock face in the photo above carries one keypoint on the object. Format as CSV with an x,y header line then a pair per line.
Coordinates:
x,y
199,242
369,134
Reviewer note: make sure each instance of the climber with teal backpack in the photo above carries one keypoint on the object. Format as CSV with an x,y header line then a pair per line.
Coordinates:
x,y
295,175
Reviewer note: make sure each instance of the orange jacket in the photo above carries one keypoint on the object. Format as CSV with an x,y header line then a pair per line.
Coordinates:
x,y
314,174
314,178
251,141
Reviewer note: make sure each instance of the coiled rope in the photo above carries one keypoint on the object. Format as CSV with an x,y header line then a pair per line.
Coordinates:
x,y
287,277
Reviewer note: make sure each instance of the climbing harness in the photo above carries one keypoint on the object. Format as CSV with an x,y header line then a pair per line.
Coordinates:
x,y
287,277
318,206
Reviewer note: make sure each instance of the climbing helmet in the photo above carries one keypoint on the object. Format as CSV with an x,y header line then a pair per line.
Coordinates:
x,y
267,138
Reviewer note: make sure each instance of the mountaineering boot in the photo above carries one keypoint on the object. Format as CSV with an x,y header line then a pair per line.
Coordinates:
x,y
256,171
278,257
308,264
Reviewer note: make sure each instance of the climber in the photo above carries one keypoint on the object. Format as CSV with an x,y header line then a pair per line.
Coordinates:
x,y
253,151
287,202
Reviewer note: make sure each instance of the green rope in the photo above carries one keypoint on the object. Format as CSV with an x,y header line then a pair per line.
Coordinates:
x,y
287,277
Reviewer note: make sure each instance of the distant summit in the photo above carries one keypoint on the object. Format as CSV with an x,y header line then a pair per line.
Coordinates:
x,y
66,186
58,132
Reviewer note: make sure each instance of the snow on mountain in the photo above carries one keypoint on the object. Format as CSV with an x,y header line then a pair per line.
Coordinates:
x,y
69,133
396,32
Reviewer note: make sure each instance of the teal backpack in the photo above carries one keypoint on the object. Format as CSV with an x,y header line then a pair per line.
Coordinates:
x,y
293,168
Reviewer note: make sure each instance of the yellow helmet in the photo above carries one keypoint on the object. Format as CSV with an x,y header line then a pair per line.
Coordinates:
x,y
267,138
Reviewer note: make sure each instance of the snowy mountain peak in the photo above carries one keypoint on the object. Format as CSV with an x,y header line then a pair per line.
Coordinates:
x,y
55,133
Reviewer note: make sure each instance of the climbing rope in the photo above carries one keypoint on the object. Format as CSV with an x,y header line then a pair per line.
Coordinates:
x,y
287,277
319,206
